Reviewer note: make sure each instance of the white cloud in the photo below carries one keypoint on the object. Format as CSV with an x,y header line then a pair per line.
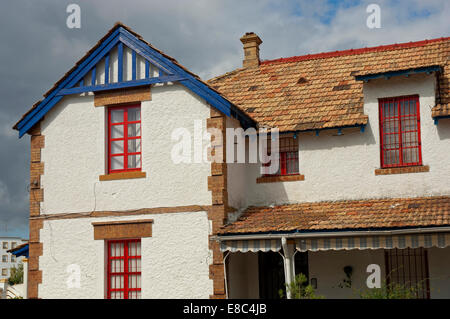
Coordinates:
x,y
204,35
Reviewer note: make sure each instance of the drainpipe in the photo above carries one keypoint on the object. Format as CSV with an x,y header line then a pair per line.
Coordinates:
x,y
225,273
288,264
25,277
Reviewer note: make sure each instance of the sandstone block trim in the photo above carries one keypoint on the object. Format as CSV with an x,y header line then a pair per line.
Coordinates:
x,y
217,184
122,96
123,229
402,170
36,198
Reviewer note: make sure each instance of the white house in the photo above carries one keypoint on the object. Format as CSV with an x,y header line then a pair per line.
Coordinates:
x,y
112,215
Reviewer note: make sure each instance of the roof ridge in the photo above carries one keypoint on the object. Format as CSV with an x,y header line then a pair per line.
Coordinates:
x,y
380,48
226,74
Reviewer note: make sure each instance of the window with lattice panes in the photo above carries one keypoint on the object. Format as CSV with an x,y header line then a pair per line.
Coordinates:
x,y
288,159
124,138
124,269
400,132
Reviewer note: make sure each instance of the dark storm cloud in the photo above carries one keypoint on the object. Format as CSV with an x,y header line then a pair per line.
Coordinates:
x,y
37,49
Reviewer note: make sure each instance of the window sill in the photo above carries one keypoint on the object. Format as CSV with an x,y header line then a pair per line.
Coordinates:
x,y
402,170
124,175
283,178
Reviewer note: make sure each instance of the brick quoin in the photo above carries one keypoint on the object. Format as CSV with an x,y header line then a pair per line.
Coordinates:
x,y
36,197
217,184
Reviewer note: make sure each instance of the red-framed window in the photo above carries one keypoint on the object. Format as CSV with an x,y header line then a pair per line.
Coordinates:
x,y
400,131
288,150
124,269
124,138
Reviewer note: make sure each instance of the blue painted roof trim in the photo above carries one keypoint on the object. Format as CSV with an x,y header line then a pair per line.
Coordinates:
x,y
331,230
427,69
172,71
21,252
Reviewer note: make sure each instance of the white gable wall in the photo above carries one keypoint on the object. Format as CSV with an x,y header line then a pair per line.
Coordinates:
x,y
176,258
75,156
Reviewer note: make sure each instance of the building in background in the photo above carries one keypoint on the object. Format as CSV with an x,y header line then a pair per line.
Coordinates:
x,y
8,260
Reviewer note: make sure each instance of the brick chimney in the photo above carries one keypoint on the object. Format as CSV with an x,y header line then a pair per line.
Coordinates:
x,y
251,44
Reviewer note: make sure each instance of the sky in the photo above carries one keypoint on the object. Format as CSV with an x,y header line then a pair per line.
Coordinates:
x,y
37,48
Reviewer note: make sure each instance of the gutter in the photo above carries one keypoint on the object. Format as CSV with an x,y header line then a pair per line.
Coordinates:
x,y
332,234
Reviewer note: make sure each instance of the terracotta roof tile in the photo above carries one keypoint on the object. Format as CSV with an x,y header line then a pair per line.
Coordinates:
x,y
356,214
295,93
441,110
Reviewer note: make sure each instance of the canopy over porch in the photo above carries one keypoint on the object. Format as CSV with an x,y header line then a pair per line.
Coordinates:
x,y
401,223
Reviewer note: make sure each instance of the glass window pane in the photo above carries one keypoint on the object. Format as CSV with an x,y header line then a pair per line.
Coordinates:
x,y
134,161
117,116
134,145
133,281
116,131
292,163
134,129
117,162
117,147
134,114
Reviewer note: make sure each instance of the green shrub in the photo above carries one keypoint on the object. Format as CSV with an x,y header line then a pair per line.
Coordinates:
x,y
16,276
390,291
299,289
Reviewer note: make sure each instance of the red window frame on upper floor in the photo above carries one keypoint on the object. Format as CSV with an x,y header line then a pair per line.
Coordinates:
x,y
124,138
124,269
400,140
288,150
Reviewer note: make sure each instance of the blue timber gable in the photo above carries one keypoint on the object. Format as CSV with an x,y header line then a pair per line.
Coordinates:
x,y
120,37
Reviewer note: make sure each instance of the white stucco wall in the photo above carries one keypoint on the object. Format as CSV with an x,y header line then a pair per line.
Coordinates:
x,y
342,167
328,268
175,260
238,173
75,156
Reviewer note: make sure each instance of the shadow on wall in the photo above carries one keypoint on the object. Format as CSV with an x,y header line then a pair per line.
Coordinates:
x,y
328,140
443,129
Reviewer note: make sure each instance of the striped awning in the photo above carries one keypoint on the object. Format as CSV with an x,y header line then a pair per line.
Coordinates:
x,y
440,240
251,245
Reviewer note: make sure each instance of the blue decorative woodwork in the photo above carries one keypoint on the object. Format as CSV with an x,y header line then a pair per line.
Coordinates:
x,y
407,72
168,71
147,69
133,65
120,62
107,69
93,76
22,251
441,117
36,114
120,85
